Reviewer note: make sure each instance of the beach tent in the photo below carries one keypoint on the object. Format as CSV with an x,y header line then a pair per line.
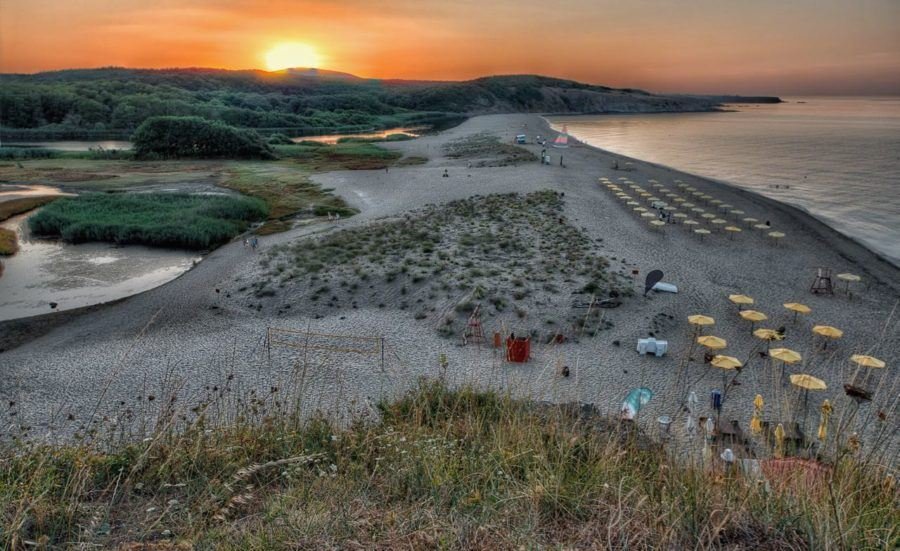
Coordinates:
x,y
562,140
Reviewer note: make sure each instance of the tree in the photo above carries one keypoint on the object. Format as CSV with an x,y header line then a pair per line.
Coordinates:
x,y
174,137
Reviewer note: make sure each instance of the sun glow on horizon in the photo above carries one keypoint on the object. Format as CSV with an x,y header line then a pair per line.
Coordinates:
x,y
288,55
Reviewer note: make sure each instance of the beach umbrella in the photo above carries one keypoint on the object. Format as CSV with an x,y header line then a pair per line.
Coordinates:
x,y
688,204
736,212
680,215
690,223
707,215
717,221
768,335
750,220
725,206
823,422
785,356
867,361
701,232
753,317
698,209
680,200
828,332
779,441
639,209
727,363
657,223
731,231
855,390
701,320
632,203
848,278
711,342
740,300
797,308
756,420
648,215
716,202
762,226
776,236
806,383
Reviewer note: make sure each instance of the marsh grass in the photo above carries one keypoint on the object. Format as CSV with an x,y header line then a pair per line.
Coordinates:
x,y
437,467
159,219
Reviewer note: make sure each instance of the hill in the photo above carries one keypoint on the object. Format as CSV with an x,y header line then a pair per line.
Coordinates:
x,y
112,102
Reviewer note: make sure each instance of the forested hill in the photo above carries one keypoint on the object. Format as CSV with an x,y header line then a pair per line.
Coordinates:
x,y
114,101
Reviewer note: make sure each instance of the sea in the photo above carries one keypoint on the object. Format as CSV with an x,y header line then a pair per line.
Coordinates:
x,y
837,158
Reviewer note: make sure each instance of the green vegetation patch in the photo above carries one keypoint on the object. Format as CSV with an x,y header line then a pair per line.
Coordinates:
x,y
437,469
161,219
194,137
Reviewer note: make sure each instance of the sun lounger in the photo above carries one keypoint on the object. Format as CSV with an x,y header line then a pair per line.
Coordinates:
x,y
652,346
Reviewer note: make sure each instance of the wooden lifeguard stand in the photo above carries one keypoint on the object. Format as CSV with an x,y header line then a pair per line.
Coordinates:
x,y
822,284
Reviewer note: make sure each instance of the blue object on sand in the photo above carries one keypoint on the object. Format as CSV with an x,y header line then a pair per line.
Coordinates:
x,y
635,400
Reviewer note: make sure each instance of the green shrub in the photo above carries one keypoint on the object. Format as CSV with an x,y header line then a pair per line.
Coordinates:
x,y
162,219
177,137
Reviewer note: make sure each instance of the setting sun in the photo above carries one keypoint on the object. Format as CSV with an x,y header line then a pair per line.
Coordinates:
x,y
292,54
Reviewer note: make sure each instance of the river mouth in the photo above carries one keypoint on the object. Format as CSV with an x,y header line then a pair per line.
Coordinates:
x,y
49,275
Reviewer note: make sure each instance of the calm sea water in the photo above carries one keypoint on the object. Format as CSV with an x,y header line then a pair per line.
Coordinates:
x,y
836,158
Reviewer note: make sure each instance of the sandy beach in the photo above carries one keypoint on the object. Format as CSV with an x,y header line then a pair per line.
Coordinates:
x,y
202,330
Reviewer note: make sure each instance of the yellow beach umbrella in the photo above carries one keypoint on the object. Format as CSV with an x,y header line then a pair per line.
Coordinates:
x,y
779,441
762,226
726,362
753,315
639,209
690,223
708,215
700,319
867,361
756,420
848,278
808,382
648,215
731,231
828,332
740,300
776,236
657,223
768,335
785,355
823,423
797,308
717,221
711,342
701,232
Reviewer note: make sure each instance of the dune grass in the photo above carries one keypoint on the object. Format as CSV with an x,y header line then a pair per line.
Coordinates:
x,y
437,468
158,219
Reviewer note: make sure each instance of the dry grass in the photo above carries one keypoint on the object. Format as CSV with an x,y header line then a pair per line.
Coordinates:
x,y
9,244
14,207
456,469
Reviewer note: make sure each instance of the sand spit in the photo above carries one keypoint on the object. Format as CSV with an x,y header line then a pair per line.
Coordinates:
x,y
203,328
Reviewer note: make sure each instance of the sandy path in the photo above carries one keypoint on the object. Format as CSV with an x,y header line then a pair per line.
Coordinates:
x,y
186,335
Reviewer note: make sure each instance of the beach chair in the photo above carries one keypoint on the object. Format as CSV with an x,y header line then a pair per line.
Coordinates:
x,y
652,346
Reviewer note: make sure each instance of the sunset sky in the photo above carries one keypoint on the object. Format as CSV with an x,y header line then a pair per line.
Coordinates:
x,y
719,46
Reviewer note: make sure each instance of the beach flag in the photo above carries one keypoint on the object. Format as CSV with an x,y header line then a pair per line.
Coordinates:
x,y
562,140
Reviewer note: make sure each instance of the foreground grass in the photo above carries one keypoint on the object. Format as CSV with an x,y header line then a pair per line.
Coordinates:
x,y
437,469
158,219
